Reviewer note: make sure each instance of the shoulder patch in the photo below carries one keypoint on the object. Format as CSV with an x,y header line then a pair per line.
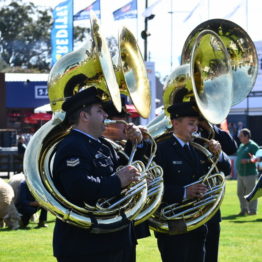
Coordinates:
x,y
73,162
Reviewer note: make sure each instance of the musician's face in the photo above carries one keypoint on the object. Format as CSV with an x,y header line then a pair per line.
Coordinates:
x,y
95,120
184,127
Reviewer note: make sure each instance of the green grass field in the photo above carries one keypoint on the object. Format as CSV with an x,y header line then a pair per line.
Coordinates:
x,y
240,240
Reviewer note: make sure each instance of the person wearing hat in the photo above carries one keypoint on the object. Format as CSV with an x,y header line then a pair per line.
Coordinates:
x,y
183,165
85,170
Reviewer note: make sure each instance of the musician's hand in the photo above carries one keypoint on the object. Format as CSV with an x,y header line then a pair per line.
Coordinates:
x,y
196,191
127,175
144,131
214,147
133,133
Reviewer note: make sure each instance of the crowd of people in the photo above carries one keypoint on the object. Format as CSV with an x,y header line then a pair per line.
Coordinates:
x,y
85,169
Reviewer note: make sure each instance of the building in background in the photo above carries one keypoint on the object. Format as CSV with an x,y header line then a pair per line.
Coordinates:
x,y
20,94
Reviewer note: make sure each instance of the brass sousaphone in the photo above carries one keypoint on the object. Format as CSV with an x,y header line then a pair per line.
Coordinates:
x,y
219,68
91,65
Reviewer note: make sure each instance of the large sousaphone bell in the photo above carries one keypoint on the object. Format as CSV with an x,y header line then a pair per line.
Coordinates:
x,y
91,65
215,56
213,101
205,78
131,73
241,50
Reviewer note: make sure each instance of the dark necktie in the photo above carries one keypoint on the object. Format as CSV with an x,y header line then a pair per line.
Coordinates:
x,y
188,152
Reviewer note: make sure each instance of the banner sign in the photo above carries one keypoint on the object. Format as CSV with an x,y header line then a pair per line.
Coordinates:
x,y
127,11
84,14
62,31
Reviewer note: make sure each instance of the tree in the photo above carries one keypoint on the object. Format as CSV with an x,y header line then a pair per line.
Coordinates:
x,y
25,35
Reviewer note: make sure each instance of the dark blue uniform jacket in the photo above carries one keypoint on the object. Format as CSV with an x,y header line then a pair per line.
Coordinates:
x,y
82,172
180,171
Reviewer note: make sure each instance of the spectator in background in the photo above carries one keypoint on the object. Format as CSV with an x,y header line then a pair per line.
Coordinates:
x,y
21,146
239,127
232,129
27,206
247,172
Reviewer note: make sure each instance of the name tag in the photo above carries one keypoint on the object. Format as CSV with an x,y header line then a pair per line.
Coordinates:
x,y
177,162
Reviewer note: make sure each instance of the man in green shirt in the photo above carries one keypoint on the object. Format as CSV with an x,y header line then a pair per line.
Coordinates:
x,y
247,172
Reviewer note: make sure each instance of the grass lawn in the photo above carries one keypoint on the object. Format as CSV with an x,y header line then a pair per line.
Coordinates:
x,y
240,240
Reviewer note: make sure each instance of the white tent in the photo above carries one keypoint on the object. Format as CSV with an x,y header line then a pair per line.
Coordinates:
x,y
43,109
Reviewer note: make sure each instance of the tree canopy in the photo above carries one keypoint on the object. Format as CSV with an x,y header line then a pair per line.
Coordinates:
x,y
25,36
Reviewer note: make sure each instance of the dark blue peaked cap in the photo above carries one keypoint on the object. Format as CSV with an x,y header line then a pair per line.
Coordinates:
x,y
183,109
82,99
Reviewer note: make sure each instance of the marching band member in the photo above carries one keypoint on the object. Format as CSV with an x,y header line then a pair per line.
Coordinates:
x,y
182,165
84,171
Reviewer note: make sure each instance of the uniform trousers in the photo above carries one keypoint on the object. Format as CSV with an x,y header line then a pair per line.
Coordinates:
x,y
212,241
126,254
186,247
245,184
